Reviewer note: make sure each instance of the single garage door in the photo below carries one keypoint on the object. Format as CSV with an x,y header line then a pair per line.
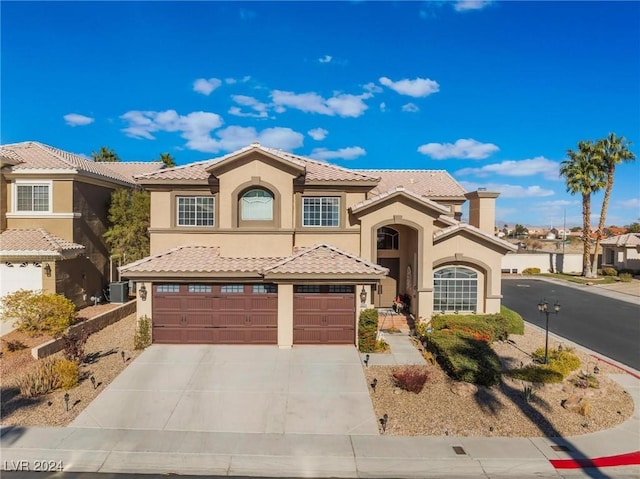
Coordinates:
x,y
16,276
215,313
324,314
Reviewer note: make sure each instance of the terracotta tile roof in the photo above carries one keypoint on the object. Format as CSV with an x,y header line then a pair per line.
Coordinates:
x,y
315,170
325,259
131,169
33,242
429,183
37,156
398,191
628,240
195,259
476,231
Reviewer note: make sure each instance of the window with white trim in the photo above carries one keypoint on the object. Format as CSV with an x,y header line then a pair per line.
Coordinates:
x,y
321,211
455,288
256,205
195,211
168,288
199,288
32,197
232,288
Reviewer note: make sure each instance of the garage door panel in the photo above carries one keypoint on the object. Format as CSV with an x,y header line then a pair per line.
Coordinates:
x,y
309,320
161,318
202,304
324,317
263,303
167,335
197,319
238,304
171,303
263,320
345,320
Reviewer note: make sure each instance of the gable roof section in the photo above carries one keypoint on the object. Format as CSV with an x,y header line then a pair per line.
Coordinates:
x,y
252,148
429,183
628,240
37,242
459,227
40,158
131,169
324,259
393,193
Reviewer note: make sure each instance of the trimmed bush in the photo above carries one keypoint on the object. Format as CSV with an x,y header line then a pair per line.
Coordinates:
x,y
609,272
368,330
625,277
465,358
142,337
531,271
563,362
68,373
515,323
411,378
39,380
536,374
489,328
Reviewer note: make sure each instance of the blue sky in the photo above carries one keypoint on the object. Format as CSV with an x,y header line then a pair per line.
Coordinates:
x,y
493,92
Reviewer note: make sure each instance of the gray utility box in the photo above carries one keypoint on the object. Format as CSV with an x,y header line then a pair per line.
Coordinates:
x,y
119,292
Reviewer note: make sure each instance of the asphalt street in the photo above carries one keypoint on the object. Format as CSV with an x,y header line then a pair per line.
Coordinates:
x,y
605,325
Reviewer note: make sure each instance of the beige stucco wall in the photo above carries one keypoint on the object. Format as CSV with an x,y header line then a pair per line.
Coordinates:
x,y
144,307
285,315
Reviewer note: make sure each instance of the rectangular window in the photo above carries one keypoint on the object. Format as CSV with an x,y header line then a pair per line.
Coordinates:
x,y
307,288
32,197
340,288
199,288
168,288
264,288
321,211
196,211
232,288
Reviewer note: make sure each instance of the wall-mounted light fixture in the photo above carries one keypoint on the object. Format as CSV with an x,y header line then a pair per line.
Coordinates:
x,y
47,269
363,296
143,292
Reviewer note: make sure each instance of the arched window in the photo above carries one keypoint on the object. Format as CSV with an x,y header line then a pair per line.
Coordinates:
x,y
256,205
455,288
387,238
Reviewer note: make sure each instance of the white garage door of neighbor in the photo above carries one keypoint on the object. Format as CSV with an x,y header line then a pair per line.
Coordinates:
x,y
19,276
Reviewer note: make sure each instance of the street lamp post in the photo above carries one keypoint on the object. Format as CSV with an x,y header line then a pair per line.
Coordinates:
x,y
543,307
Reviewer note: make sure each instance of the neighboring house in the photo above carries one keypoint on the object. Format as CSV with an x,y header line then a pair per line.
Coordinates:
x,y
264,246
622,252
53,217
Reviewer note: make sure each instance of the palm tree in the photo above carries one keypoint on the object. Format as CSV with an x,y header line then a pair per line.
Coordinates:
x,y
583,174
105,154
611,151
168,160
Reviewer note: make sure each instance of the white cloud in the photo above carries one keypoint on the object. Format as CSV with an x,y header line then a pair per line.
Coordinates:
x,y
281,138
325,59
420,87
510,191
465,5
558,203
318,134
467,149
383,107
372,88
348,153
529,167
340,104
75,119
630,204
410,107
260,109
204,86
195,127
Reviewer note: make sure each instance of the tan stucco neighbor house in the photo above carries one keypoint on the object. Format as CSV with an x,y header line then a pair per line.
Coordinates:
x,y
265,246
54,207
622,251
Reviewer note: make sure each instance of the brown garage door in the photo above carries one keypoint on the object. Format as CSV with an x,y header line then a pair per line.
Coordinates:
x,y
215,314
323,314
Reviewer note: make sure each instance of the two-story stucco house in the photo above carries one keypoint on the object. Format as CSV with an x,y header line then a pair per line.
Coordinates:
x,y
264,246
54,214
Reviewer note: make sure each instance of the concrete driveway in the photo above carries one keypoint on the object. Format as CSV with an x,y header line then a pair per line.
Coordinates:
x,y
244,389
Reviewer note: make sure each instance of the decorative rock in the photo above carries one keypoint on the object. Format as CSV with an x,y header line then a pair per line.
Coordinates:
x,y
572,401
397,391
464,389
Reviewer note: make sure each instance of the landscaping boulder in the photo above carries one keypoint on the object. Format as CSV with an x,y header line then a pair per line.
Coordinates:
x,y
463,389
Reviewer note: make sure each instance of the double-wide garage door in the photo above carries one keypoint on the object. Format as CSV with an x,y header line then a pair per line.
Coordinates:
x,y
215,314
324,314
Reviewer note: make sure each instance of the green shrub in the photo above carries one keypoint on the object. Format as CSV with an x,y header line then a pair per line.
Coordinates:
x,y
142,337
536,374
562,362
488,327
515,323
68,373
609,271
625,277
40,379
381,346
368,330
411,378
531,271
465,358
36,313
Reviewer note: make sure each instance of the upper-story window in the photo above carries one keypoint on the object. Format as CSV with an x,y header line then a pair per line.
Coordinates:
x,y
32,197
321,211
256,205
195,211
387,238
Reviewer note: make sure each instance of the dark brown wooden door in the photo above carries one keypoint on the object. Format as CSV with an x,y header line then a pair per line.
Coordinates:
x,y
215,314
324,315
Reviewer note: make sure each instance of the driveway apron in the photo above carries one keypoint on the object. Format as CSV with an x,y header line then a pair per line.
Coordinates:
x,y
244,389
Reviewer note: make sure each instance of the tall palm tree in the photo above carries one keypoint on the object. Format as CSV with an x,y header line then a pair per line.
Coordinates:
x,y
583,175
611,151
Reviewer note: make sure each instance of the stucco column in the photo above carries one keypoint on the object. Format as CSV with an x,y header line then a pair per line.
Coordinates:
x,y
425,305
144,307
285,315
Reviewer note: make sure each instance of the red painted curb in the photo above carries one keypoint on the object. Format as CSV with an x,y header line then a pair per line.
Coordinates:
x,y
615,366
629,459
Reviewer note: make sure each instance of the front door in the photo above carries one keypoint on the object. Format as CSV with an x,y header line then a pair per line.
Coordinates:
x,y
388,289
